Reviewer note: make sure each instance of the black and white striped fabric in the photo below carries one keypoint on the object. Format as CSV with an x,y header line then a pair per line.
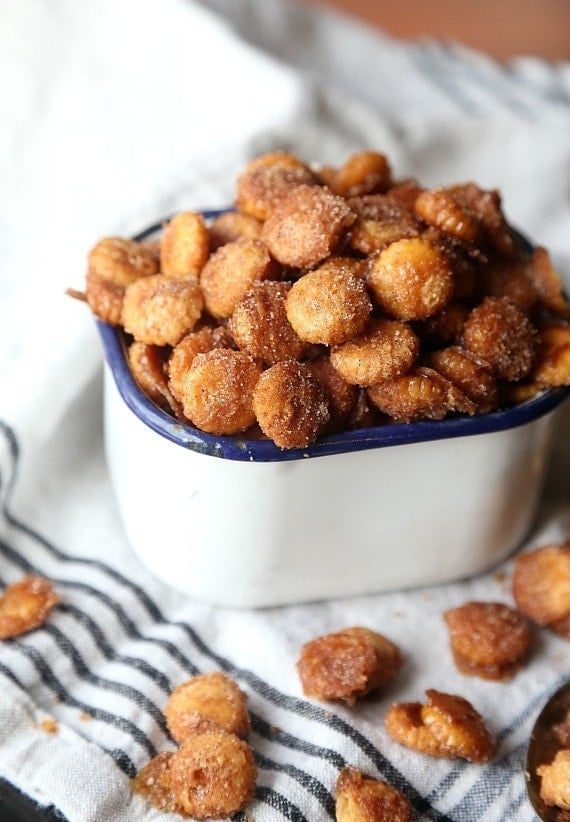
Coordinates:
x,y
122,127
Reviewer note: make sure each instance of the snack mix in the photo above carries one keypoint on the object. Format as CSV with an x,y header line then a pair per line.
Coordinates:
x,y
331,299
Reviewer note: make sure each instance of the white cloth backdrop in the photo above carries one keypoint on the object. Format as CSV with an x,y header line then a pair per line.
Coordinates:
x,y
113,114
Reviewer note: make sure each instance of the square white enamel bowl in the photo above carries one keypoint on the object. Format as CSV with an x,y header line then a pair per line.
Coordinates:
x,y
242,523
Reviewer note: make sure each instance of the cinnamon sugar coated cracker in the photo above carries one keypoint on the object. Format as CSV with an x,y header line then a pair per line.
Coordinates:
x,y
348,664
212,773
541,587
447,726
360,798
207,701
217,391
25,605
488,639
402,302
555,781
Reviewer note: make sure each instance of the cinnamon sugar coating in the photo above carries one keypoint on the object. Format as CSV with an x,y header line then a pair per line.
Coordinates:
x,y
500,277
104,297
217,394
184,245
290,405
552,364
541,587
231,226
267,179
342,396
330,304
122,261
405,192
487,206
231,271
360,798
152,782
547,283
446,726
306,226
195,342
443,328
260,325
472,376
405,303
25,605
385,350
204,702
411,279
212,774
555,781
422,393
380,220
347,664
488,639
443,210
112,264
148,364
160,310
366,172
499,333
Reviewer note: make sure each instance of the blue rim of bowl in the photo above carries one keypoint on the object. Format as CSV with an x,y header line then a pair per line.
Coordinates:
x,y
261,450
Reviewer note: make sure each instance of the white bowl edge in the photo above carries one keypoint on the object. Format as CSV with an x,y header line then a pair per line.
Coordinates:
x,y
253,535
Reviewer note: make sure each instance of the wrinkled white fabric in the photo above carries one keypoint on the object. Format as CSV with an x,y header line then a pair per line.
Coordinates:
x,y
113,115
